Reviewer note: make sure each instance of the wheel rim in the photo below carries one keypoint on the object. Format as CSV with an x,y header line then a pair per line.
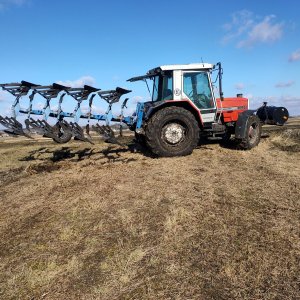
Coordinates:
x,y
173,133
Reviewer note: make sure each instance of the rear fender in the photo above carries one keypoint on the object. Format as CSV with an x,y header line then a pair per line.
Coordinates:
x,y
241,123
180,103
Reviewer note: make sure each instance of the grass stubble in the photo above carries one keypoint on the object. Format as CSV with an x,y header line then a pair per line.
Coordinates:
x,y
84,222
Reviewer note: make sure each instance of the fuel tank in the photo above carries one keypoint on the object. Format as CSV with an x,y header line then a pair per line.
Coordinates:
x,y
230,108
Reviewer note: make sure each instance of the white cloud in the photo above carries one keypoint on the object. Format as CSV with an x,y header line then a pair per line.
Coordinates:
x,y
4,4
247,30
239,86
136,99
131,104
7,110
249,96
295,56
3,96
241,22
263,32
6,96
98,110
40,105
80,82
285,84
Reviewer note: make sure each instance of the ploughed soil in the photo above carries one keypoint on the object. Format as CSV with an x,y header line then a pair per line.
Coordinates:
x,y
81,221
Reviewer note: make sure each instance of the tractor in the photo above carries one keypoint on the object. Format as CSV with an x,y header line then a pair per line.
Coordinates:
x,y
183,108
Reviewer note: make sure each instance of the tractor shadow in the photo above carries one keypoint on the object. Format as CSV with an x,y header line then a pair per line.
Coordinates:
x,y
111,153
231,144
205,143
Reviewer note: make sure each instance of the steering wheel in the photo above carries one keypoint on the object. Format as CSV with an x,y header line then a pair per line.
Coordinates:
x,y
203,97
204,100
190,93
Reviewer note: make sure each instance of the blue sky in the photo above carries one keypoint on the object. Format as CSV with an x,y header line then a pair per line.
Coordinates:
x,y
103,43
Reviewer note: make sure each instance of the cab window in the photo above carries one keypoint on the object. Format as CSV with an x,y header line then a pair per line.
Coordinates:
x,y
163,87
197,88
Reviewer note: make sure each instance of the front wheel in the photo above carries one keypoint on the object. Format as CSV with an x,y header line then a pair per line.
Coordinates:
x,y
172,131
253,133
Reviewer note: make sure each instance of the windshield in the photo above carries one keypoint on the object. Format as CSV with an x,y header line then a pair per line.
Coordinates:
x,y
162,87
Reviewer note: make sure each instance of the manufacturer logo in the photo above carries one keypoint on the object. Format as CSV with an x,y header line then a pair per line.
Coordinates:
x,y
177,92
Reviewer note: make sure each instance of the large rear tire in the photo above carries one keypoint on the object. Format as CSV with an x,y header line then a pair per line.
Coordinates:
x,y
253,133
172,131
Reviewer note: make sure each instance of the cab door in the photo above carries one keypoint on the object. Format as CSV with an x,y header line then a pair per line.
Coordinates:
x,y
197,87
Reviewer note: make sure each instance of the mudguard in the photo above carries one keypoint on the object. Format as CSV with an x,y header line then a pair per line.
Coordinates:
x,y
153,106
241,123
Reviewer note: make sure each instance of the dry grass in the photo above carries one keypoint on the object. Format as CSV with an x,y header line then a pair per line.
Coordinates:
x,y
288,140
104,223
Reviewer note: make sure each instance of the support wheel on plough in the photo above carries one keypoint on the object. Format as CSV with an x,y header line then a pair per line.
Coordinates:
x,y
62,136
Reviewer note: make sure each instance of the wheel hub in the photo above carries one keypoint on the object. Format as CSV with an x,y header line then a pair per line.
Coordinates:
x,y
173,133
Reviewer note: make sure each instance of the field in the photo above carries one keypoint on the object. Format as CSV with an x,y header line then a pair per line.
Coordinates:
x,y
101,221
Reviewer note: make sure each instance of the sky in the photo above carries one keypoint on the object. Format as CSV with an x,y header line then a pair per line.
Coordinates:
x,y
103,43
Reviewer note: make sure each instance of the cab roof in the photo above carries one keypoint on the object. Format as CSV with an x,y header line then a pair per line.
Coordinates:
x,y
160,69
193,66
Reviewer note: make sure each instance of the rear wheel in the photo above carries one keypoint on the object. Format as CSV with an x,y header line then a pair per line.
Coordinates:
x,y
253,133
172,131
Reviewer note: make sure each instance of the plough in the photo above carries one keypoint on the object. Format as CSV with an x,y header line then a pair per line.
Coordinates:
x,y
62,131
183,108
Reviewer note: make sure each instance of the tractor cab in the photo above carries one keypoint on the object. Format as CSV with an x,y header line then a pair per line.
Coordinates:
x,y
184,84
